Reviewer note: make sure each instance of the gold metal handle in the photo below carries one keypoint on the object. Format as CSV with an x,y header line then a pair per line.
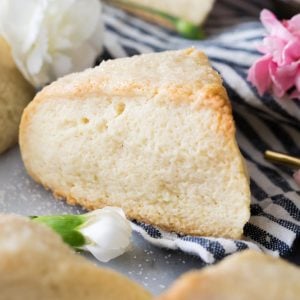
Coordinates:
x,y
282,158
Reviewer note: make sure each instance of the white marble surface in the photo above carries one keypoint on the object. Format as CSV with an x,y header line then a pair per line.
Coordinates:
x,y
153,267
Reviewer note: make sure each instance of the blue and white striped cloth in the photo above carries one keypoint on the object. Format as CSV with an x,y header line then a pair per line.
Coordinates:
x,y
233,31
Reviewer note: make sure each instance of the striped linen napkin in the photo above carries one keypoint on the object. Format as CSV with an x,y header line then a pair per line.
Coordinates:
x,y
233,31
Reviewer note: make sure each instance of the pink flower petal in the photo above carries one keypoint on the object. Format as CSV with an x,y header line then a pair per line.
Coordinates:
x,y
271,44
293,25
269,20
259,74
274,26
297,81
297,176
291,51
277,87
287,74
283,78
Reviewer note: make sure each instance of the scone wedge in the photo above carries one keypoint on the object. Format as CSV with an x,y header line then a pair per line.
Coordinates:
x,y
153,134
243,276
36,264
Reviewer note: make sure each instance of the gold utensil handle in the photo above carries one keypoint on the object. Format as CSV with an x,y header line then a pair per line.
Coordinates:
x,y
282,158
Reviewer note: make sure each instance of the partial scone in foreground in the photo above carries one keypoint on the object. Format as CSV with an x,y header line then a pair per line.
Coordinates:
x,y
15,93
246,276
35,264
153,134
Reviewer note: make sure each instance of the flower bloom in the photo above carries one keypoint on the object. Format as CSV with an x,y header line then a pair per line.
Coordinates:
x,y
106,233
278,70
51,38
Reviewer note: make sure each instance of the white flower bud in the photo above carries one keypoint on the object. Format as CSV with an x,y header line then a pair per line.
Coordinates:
x,y
107,233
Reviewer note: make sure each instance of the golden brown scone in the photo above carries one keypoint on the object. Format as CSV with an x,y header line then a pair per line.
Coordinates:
x,y
15,93
194,11
248,275
36,264
153,134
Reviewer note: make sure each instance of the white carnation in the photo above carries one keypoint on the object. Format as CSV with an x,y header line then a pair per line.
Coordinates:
x,y
51,38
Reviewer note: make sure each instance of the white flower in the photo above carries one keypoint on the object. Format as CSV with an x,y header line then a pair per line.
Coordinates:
x,y
107,233
51,38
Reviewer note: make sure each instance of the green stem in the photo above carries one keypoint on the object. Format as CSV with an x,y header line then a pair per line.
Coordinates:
x,y
183,27
66,226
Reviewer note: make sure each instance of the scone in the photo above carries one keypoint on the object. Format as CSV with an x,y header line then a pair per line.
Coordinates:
x,y
246,276
152,134
193,11
35,264
15,93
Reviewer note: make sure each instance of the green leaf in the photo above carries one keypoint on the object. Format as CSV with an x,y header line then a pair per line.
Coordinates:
x,y
66,226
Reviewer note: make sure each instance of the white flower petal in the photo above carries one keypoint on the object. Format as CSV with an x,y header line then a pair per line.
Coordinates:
x,y
84,19
83,56
21,21
103,254
37,55
99,233
108,232
50,38
62,64
97,38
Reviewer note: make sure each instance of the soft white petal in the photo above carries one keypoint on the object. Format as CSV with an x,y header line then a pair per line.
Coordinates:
x,y
62,64
84,19
83,56
96,39
108,233
21,21
103,254
51,38
38,54
99,233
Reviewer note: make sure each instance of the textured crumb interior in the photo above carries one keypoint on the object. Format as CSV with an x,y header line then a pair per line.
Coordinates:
x,y
170,167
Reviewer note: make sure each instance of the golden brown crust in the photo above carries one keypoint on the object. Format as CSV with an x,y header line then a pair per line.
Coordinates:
x,y
242,276
130,214
96,82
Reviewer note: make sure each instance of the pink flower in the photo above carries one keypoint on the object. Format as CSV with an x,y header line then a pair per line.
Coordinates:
x,y
278,70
